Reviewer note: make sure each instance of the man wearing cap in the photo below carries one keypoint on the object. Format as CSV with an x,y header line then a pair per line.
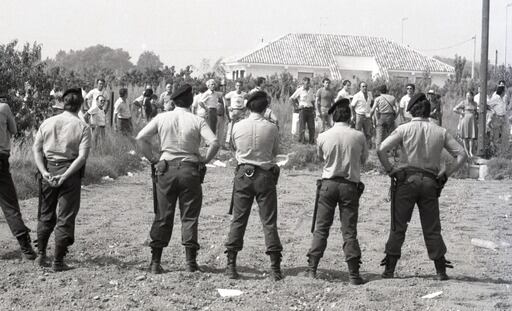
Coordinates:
x,y
419,180
436,112
256,143
361,108
179,172
384,108
61,148
8,198
304,98
404,114
344,150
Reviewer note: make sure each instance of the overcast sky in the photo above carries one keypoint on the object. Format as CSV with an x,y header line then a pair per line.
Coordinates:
x,y
183,32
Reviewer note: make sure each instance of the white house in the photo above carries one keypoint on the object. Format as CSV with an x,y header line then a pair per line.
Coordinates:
x,y
339,57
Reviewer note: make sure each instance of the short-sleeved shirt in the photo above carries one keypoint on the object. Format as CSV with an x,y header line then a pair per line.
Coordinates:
x,y
237,100
93,95
498,105
305,97
361,105
422,143
180,133
200,108
210,98
403,105
342,94
7,128
344,149
385,103
256,141
325,97
122,108
62,137
97,116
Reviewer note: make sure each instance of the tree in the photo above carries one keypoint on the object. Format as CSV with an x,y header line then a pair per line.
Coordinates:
x,y
459,64
149,60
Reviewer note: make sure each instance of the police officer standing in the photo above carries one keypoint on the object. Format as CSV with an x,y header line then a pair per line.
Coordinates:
x,y
61,148
344,150
256,142
418,181
179,173
8,197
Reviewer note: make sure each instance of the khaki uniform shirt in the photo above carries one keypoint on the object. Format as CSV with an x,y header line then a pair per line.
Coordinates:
x,y
385,103
422,143
256,141
62,137
7,128
344,149
180,134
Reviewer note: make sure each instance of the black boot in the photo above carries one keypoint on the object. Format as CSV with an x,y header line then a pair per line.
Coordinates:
x,y
231,266
42,244
390,264
26,248
191,255
275,266
441,265
353,271
312,266
58,261
156,257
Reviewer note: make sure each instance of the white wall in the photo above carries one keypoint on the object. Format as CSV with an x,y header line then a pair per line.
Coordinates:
x,y
267,70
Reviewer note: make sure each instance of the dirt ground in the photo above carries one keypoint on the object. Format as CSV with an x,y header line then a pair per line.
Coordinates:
x,y
110,254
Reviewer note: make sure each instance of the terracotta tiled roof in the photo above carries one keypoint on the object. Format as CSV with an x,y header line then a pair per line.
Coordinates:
x,y
320,49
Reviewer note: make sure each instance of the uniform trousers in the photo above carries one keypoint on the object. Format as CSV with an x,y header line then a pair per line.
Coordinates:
x,y
364,124
177,182
344,195
422,189
307,118
262,187
211,119
67,198
9,200
385,125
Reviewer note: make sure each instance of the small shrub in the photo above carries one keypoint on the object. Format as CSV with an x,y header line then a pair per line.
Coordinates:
x,y
500,168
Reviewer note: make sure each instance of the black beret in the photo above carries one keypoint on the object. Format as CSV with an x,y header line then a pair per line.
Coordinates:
x,y
256,98
339,103
75,90
416,98
184,90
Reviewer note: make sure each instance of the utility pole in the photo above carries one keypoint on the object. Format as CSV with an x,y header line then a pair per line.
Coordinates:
x,y
506,32
474,58
403,20
484,60
496,63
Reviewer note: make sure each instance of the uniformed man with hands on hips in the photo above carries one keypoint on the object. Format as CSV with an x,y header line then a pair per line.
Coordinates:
x,y
344,150
61,148
419,181
8,198
256,142
179,172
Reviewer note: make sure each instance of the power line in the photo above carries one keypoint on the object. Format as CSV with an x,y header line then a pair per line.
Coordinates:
x,y
448,47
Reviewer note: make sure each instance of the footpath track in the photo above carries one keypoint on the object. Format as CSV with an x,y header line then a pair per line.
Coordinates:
x,y
110,254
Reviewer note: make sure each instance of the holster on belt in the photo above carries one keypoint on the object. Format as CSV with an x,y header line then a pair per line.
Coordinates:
x,y
154,172
315,210
202,171
275,170
398,177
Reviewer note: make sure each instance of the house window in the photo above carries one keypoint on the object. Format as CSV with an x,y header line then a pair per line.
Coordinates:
x,y
233,75
242,73
302,75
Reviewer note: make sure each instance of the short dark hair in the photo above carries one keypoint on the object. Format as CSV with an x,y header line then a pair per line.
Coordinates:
x,y
73,102
306,79
260,81
326,79
100,79
383,89
420,109
411,85
345,82
501,81
148,93
123,92
341,113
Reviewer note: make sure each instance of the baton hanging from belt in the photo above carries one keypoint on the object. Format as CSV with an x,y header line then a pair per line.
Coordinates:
x,y
392,192
318,187
153,181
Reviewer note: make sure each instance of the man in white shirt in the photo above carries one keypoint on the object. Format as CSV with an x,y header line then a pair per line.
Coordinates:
x,y
91,97
304,99
345,91
405,116
212,100
96,119
361,111
498,122
165,98
123,114
235,101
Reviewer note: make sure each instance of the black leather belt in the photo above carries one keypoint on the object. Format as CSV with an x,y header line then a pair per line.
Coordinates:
x,y
59,163
419,171
179,163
